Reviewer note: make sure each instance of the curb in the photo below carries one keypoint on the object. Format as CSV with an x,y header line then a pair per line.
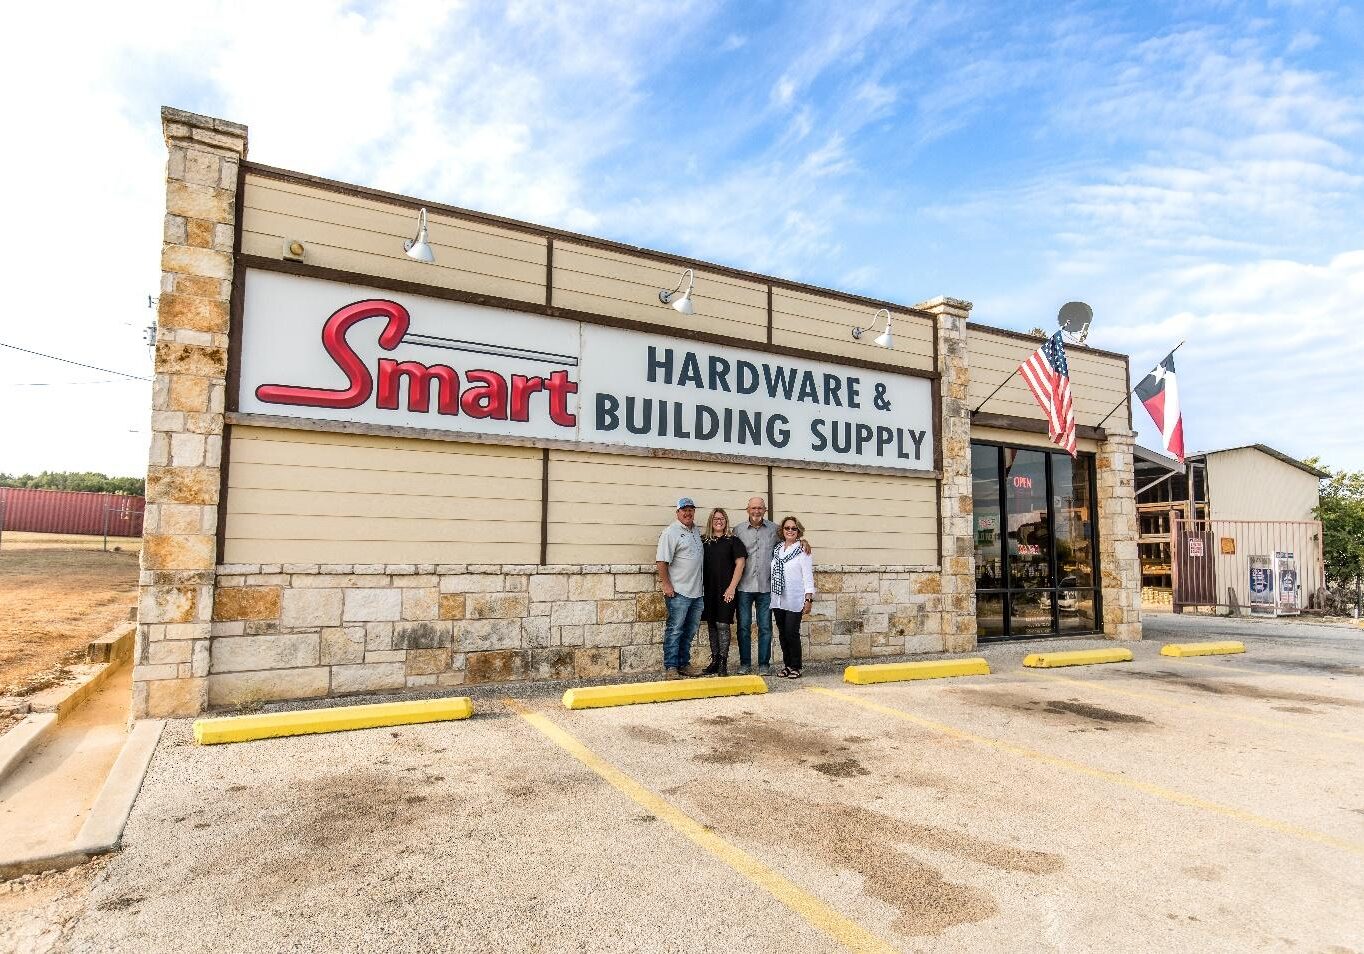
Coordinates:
x,y
901,672
18,742
272,725
672,690
1078,657
63,699
103,828
1202,649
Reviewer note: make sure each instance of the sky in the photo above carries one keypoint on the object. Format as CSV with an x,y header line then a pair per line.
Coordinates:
x,y
1195,172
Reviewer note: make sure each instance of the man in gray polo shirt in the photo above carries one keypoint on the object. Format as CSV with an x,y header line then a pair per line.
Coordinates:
x,y
680,560
755,587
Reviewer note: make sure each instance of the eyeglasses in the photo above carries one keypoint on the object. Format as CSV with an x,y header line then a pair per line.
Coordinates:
x,y
790,529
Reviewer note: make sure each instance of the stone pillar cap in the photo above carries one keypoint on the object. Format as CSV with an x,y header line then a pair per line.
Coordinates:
x,y
945,305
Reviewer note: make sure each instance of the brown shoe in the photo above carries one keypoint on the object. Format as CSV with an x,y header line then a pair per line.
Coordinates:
x,y
690,672
671,673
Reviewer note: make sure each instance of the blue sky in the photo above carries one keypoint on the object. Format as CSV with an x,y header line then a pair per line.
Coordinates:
x,y
1192,171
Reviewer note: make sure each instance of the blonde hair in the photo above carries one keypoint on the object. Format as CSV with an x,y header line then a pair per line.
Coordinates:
x,y
709,533
800,527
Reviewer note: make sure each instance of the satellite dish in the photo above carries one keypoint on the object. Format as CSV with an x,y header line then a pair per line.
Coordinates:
x,y
1074,319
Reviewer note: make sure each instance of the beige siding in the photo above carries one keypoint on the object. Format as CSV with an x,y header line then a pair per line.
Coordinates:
x,y
365,236
997,435
861,519
825,325
315,497
606,282
1097,382
1248,484
605,508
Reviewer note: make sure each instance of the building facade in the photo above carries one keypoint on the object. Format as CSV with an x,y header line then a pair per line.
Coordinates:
x,y
371,473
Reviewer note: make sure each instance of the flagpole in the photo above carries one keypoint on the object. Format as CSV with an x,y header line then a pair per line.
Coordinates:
x,y
1129,393
998,389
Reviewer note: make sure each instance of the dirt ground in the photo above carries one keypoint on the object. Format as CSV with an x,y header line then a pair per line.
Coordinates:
x,y
53,600
1166,804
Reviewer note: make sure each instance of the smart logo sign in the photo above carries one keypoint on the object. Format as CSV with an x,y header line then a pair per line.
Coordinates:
x,y
328,351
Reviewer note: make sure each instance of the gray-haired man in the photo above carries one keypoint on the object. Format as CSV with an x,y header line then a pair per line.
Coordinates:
x,y
680,560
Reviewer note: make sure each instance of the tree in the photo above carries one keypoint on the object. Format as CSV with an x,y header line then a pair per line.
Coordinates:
x,y
1341,513
73,480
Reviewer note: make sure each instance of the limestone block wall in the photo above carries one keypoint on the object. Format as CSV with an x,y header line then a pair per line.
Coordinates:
x,y
955,502
1119,560
297,631
171,656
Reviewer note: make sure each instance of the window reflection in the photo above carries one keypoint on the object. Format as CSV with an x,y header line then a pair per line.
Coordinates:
x,y
985,517
1033,508
1071,499
1029,536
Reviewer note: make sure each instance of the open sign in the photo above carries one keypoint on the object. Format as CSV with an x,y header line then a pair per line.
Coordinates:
x,y
1022,482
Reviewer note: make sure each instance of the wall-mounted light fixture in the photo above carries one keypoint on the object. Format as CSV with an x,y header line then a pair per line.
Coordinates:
x,y
884,339
420,247
681,302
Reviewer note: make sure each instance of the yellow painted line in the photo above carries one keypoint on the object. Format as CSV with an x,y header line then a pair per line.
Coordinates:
x,y
904,671
1202,649
815,912
1165,700
1079,768
338,719
1077,657
671,690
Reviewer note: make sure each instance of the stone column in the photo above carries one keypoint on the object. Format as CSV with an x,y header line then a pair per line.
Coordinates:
x,y
179,544
1119,560
954,426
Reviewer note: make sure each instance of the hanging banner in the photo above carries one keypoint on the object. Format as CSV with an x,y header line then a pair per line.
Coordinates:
x,y
324,350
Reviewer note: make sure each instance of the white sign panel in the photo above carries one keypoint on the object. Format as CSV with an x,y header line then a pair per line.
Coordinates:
x,y
324,350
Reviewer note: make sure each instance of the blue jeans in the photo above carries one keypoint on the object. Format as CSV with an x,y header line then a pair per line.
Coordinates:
x,y
684,616
745,603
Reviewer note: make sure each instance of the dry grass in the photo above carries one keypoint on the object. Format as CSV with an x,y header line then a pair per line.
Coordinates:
x,y
24,540
52,602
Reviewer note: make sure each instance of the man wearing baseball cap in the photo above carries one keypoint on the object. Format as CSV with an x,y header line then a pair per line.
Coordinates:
x,y
680,559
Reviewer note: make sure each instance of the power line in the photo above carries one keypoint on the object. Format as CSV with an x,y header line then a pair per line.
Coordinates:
x,y
51,384
91,367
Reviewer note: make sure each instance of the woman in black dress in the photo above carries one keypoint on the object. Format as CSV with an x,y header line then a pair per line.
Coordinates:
x,y
725,558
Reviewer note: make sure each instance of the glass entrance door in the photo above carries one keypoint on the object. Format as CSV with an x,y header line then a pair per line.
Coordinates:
x,y
1034,542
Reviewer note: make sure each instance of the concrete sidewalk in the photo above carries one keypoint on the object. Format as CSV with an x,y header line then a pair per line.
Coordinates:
x,y
46,800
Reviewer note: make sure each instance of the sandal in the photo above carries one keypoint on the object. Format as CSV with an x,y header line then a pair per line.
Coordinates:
x,y
792,674
784,673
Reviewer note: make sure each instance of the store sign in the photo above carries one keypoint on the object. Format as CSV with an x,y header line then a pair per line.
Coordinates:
x,y
324,350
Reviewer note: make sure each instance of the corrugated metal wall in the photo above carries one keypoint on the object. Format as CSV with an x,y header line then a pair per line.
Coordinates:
x,y
70,511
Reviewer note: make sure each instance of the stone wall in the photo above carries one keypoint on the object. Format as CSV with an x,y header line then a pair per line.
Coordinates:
x,y
300,631
1119,558
955,501
179,549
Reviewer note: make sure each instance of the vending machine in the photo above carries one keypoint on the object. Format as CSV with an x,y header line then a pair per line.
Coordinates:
x,y
1262,599
1287,587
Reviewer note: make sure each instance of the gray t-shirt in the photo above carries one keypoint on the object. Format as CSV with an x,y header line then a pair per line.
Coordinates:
x,y
760,541
685,555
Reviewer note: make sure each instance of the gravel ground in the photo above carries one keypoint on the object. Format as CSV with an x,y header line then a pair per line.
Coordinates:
x,y
1230,818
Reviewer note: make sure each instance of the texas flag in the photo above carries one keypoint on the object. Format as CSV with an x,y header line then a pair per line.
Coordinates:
x,y
1159,392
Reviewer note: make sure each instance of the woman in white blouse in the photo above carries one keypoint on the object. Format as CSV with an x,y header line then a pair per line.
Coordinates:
x,y
793,590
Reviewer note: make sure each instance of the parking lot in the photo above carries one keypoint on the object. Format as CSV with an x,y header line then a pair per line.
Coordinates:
x,y
1210,804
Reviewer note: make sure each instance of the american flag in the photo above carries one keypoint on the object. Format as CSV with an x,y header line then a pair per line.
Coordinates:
x,y
1048,377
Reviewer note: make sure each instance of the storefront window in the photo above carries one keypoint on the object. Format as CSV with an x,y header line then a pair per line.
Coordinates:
x,y
1034,542
1029,536
986,519
1072,505
1030,613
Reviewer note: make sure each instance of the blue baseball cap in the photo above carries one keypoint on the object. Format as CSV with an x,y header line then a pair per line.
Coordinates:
x,y
686,502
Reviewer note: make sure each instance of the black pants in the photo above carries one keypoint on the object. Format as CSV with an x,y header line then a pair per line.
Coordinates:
x,y
788,631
